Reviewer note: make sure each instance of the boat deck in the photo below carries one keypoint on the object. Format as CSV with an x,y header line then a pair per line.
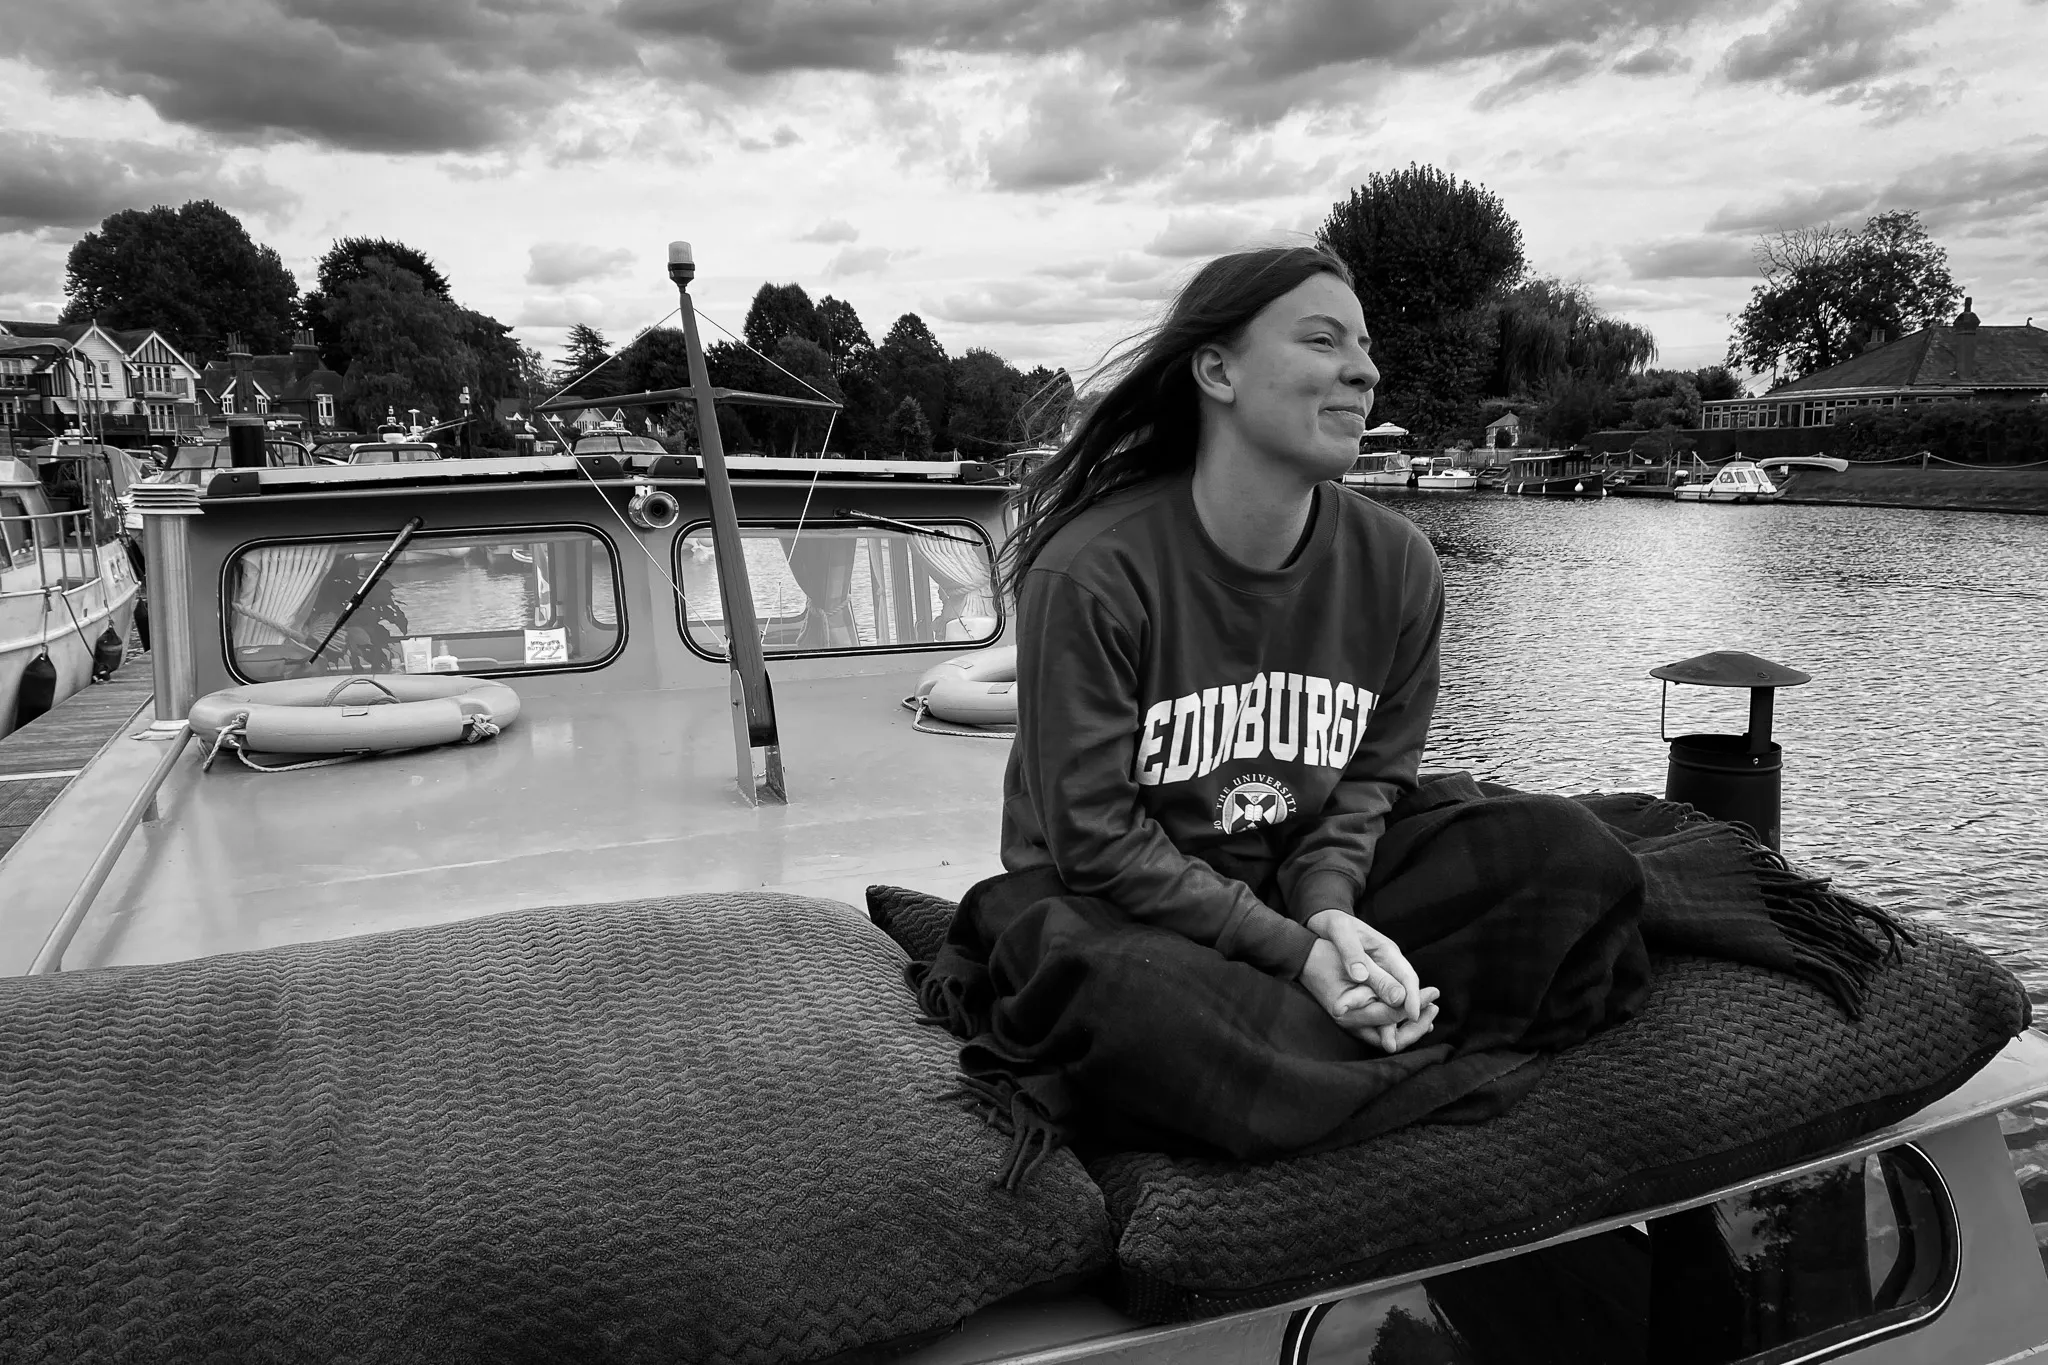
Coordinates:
x,y
588,796
39,760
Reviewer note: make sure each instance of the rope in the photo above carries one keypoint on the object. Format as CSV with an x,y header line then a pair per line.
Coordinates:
x,y
921,710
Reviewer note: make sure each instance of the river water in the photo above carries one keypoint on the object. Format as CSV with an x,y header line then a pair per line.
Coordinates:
x,y
1916,761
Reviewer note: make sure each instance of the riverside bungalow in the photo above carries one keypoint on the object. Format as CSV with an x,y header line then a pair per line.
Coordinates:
x,y
128,386
1943,363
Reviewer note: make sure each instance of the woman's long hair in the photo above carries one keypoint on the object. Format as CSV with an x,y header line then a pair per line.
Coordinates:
x,y
1143,424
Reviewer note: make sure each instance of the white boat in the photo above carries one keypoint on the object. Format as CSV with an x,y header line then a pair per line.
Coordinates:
x,y
1445,476
648,763
65,574
1743,480
1380,469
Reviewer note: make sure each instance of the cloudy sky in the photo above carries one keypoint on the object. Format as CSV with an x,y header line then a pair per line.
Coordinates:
x,y
1032,176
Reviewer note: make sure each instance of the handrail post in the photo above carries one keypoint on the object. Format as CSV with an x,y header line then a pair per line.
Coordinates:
x,y
753,703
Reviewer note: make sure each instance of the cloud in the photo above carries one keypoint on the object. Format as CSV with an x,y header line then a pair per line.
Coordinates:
x,y
51,181
1690,258
554,264
31,276
1794,209
1073,134
560,310
1821,45
1977,189
1202,234
831,230
1561,67
862,260
1654,60
1024,301
371,75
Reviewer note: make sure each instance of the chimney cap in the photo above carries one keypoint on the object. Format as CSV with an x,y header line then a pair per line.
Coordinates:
x,y
1966,321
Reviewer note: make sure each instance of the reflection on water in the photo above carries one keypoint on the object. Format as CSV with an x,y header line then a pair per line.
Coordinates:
x,y
1914,759
1911,760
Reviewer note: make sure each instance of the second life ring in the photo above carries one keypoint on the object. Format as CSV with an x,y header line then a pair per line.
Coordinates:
x,y
971,689
352,716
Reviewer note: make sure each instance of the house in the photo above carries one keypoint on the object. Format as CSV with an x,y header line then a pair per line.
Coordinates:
x,y
295,384
1942,363
1504,431
128,386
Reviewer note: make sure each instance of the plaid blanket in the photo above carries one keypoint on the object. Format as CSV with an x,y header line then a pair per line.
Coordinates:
x,y
1534,916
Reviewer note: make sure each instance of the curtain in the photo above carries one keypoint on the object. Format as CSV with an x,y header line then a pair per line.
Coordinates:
x,y
822,564
274,588
963,578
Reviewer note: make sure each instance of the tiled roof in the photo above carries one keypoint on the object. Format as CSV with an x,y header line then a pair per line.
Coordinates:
x,y
278,374
2015,357
60,331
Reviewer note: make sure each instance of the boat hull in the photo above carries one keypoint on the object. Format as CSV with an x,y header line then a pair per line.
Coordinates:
x,y
24,634
1571,486
1722,495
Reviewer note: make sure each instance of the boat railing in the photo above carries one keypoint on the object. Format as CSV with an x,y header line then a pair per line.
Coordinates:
x,y
42,552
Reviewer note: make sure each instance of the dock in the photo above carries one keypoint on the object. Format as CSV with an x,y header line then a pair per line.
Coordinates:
x,y
39,760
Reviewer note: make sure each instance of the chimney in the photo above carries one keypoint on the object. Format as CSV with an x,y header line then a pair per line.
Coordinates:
x,y
1966,343
242,394
305,355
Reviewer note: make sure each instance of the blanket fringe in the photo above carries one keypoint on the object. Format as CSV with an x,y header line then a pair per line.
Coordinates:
x,y
1008,1108
1825,927
942,1000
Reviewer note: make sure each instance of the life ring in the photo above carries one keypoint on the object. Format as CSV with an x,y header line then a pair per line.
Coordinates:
x,y
971,689
356,715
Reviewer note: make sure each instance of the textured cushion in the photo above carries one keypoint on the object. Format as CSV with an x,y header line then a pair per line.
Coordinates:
x,y
1727,1072
916,921
701,1129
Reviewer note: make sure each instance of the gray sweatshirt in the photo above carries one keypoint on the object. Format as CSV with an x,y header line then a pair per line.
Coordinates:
x,y
1179,712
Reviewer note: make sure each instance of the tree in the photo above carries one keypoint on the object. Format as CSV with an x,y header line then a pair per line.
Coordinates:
x,y
347,261
988,400
193,273
1428,254
840,331
1829,295
1717,381
779,310
911,364
584,372
1546,328
795,429
411,348
908,436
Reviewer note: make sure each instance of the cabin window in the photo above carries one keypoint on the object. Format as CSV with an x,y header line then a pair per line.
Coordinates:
x,y
510,600
323,404
17,537
1851,1252
836,586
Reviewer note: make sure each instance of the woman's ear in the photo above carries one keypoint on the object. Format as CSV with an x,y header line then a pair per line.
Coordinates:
x,y
1211,367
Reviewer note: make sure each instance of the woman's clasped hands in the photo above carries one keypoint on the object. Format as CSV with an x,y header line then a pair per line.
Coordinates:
x,y
1359,975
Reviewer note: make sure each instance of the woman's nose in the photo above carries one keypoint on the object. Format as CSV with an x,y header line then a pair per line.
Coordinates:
x,y
1361,373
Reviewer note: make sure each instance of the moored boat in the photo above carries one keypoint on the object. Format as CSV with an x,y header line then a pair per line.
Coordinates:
x,y
1381,469
66,578
1555,474
630,917
1445,475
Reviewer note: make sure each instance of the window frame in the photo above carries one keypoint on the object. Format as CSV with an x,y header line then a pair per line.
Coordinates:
x,y
1299,1337
222,603
777,525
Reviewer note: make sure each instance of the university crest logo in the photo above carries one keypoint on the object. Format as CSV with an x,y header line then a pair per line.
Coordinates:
x,y
1252,800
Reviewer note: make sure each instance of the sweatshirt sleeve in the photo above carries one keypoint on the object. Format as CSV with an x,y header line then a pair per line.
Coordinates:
x,y
1327,865
1078,720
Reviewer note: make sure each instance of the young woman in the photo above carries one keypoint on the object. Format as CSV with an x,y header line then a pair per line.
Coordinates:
x,y
1228,662
1219,863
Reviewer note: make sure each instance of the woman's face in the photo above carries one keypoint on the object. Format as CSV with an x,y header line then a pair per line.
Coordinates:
x,y
1300,382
